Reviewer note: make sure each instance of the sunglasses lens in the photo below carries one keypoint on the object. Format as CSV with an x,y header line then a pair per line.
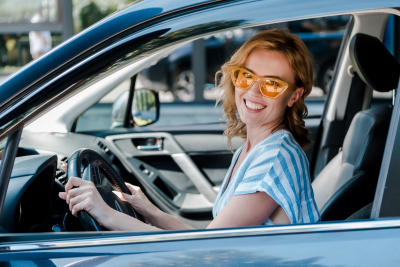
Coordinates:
x,y
242,79
271,87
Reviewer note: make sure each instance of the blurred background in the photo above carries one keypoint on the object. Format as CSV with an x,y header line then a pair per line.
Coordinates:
x,y
39,25
186,77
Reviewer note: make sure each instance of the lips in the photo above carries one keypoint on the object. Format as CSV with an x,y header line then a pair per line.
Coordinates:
x,y
254,105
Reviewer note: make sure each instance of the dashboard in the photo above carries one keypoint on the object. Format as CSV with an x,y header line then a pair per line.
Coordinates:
x,y
180,169
180,172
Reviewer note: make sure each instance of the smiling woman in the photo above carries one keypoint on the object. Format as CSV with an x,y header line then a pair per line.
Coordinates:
x,y
266,82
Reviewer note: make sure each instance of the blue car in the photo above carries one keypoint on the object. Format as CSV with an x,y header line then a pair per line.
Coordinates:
x,y
354,162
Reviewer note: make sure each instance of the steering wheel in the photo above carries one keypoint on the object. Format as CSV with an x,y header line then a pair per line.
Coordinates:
x,y
90,166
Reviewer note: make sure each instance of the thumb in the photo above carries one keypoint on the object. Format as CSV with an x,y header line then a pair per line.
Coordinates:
x,y
123,196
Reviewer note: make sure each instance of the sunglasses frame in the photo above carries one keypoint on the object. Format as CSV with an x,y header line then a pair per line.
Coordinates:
x,y
287,86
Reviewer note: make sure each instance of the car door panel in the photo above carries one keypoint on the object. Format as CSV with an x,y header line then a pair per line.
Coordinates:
x,y
184,171
271,246
167,173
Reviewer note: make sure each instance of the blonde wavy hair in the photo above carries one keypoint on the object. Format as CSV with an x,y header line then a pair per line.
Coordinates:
x,y
300,62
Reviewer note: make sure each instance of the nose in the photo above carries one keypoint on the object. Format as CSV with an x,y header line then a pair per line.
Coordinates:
x,y
255,89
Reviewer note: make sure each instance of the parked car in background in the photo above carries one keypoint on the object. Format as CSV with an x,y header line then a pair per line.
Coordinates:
x,y
322,37
354,162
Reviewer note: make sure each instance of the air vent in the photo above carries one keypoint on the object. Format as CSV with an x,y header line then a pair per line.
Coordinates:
x,y
61,173
61,176
104,148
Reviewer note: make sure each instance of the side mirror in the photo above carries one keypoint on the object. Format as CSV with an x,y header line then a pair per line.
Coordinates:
x,y
145,107
118,110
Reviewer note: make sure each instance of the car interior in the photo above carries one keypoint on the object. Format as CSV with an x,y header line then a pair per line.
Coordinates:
x,y
348,182
181,168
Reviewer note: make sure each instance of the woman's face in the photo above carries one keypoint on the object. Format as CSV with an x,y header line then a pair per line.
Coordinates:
x,y
256,109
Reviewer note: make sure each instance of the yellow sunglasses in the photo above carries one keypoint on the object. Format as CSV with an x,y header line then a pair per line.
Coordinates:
x,y
269,87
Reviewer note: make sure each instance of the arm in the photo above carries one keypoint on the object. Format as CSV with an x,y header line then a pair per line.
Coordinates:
x,y
151,213
83,195
245,210
241,210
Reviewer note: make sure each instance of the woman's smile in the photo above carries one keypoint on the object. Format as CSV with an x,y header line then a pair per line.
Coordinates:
x,y
254,105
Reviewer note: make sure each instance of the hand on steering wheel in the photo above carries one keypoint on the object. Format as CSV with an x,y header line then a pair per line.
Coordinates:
x,y
91,167
139,202
82,195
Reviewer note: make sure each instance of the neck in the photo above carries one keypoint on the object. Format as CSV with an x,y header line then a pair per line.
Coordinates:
x,y
257,133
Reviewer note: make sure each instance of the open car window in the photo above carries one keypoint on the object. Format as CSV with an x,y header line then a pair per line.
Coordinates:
x,y
173,76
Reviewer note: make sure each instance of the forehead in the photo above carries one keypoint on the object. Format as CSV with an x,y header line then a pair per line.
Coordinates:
x,y
269,63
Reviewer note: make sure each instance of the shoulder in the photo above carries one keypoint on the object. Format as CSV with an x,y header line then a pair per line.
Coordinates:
x,y
289,146
278,143
279,151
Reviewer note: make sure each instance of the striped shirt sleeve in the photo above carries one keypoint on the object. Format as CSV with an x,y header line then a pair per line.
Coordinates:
x,y
276,173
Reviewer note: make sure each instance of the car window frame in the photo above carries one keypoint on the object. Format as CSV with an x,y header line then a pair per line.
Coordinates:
x,y
387,188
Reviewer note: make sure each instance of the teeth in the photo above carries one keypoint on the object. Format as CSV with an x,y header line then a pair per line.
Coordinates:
x,y
253,106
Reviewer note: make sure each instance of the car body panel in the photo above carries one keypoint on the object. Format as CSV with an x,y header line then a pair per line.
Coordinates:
x,y
304,248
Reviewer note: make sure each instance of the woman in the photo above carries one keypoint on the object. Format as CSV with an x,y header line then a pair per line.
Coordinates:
x,y
268,182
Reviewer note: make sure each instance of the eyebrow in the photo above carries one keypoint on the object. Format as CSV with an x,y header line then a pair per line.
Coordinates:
x,y
267,76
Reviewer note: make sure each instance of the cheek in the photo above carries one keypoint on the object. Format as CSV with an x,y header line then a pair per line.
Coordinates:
x,y
278,105
238,96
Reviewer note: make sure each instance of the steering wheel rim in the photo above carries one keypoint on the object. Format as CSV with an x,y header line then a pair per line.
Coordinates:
x,y
87,165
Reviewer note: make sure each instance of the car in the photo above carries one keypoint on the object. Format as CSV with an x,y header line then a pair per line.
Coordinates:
x,y
173,73
353,162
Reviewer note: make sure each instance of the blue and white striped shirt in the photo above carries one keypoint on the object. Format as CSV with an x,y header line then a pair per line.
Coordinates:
x,y
279,167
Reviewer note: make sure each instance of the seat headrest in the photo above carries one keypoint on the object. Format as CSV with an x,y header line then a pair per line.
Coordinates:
x,y
374,63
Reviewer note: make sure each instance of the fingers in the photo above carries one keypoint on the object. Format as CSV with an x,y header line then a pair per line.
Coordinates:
x,y
83,195
76,192
81,199
133,188
76,200
72,182
123,196
75,182
84,205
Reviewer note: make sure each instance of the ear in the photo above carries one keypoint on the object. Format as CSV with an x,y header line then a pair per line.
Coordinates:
x,y
296,95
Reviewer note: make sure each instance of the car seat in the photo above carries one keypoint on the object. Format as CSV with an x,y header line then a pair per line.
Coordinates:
x,y
348,182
